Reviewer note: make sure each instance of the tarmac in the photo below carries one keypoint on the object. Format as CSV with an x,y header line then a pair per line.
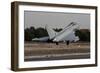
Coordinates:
x,y
51,51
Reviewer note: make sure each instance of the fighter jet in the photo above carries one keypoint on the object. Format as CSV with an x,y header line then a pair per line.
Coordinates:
x,y
66,35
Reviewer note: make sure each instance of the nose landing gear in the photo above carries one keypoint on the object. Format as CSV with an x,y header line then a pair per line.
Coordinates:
x,y
67,42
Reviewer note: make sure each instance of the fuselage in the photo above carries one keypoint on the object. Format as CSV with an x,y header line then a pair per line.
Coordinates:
x,y
65,32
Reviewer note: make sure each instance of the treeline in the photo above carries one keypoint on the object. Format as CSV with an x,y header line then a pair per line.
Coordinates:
x,y
83,34
30,33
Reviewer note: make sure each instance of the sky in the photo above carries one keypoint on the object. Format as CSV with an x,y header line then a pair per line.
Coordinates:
x,y
55,19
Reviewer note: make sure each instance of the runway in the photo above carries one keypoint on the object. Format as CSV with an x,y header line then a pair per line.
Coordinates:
x,y
51,51
58,57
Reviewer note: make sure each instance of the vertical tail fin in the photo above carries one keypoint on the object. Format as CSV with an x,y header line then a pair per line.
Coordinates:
x,y
51,32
